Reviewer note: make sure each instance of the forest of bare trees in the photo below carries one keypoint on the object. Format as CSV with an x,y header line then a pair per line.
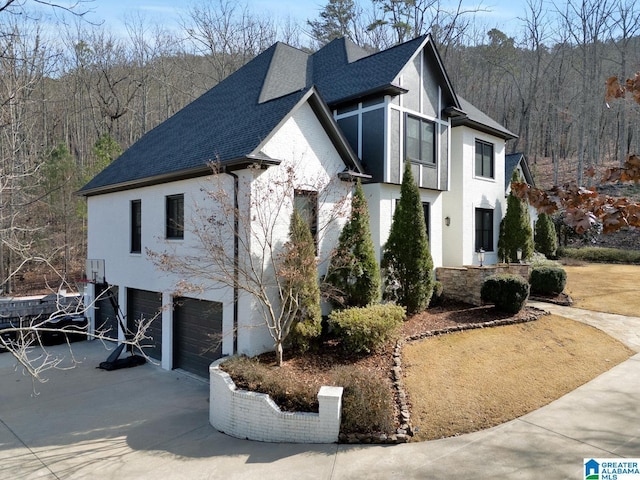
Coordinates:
x,y
74,96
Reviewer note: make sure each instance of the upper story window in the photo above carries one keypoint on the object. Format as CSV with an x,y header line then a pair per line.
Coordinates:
x,y
484,229
420,139
306,202
484,160
175,216
136,226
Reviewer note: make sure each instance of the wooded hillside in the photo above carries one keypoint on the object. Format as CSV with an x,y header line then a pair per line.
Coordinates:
x,y
73,97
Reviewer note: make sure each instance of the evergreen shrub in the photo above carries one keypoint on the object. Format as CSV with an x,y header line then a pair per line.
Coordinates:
x,y
406,259
365,329
547,280
438,294
507,292
545,238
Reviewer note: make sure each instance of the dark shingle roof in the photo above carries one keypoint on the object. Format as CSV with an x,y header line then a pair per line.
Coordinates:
x,y
225,123
475,118
511,161
338,79
229,122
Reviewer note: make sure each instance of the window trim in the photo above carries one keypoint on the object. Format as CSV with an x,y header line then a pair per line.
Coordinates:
x,y
492,160
174,227
135,226
420,121
481,229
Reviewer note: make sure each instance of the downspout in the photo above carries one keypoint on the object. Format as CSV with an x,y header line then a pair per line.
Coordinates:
x,y
236,262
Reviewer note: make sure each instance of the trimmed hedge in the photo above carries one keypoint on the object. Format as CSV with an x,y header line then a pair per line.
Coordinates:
x,y
601,254
547,280
507,292
364,329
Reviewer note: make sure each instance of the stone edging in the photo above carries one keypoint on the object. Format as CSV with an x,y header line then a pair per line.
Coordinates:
x,y
405,431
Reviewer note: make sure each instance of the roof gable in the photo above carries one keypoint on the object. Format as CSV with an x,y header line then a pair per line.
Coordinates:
x,y
511,163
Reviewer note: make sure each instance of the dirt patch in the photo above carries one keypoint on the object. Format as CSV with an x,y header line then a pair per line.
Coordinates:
x,y
469,381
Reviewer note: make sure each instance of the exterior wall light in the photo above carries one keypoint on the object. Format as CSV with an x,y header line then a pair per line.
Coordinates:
x,y
447,221
519,255
481,256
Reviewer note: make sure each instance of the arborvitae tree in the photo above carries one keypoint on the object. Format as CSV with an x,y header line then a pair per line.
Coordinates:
x,y
545,238
353,276
515,228
406,260
303,293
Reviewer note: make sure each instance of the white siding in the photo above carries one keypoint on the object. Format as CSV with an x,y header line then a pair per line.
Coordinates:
x,y
469,192
301,142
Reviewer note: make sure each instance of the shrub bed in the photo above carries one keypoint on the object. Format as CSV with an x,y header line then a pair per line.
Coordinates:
x,y
507,292
601,255
547,280
365,329
367,406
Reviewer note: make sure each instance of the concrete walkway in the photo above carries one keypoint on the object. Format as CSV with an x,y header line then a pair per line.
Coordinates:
x,y
149,423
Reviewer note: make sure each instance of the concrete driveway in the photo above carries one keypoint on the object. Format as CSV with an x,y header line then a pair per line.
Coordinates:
x,y
145,422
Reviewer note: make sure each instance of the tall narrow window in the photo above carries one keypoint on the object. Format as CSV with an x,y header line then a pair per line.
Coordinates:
x,y
484,229
484,159
175,216
419,140
136,226
427,214
306,202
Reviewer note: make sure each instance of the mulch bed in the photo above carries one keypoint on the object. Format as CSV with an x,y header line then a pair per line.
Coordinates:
x,y
312,368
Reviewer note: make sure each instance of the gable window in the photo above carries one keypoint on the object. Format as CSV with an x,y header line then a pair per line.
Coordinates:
x,y
484,229
136,226
484,159
175,216
420,140
306,202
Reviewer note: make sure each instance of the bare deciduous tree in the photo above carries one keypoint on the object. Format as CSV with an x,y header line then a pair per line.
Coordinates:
x,y
242,241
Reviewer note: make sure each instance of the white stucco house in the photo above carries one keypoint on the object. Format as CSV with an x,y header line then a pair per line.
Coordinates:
x,y
333,116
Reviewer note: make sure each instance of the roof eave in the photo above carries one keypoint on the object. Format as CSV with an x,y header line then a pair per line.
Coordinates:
x,y
259,161
387,89
467,122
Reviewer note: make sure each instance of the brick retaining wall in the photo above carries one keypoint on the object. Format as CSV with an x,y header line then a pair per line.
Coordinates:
x,y
255,416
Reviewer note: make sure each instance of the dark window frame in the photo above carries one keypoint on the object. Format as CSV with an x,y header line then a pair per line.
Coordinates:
x,y
422,155
174,216
484,238
135,210
484,159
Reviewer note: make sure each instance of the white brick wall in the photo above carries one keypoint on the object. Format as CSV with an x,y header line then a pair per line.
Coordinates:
x,y
255,416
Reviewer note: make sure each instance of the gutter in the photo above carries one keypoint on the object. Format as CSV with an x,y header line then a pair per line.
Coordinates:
x,y
236,260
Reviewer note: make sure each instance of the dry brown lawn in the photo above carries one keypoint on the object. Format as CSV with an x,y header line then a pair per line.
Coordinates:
x,y
472,380
605,288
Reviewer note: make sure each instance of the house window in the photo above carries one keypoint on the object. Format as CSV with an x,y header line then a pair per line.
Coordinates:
x,y
427,215
136,226
420,140
175,216
484,229
306,202
484,159
426,211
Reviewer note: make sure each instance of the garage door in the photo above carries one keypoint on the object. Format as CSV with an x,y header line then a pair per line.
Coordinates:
x,y
106,319
142,304
197,335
